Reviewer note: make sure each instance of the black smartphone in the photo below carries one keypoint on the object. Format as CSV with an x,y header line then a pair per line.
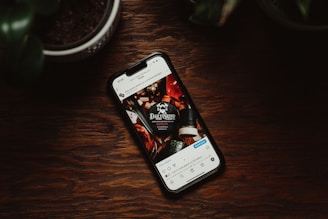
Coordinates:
x,y
162,117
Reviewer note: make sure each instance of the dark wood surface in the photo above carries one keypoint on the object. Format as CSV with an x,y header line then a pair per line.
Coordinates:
x,y
261,89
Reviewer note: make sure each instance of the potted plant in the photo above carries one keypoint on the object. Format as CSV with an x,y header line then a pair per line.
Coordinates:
x,y
210,12
89,24
59,30
304,15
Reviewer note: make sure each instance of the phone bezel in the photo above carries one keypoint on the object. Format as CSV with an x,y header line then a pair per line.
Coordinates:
x,y
135,68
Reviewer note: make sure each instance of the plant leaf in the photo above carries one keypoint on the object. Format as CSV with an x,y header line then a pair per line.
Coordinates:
x,y
15,22
304,7
207,12
227,9
24,60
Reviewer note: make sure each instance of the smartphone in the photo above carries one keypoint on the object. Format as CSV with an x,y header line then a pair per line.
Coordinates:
x,y
165,122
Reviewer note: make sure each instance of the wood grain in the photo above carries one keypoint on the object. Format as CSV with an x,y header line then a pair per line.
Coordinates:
x,y
66,153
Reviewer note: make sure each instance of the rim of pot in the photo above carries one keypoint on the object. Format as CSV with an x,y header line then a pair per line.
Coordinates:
x,y
112,9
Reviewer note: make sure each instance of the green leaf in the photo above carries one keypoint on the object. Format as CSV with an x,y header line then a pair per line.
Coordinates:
x,y
304,7
15,22
24,60
207,12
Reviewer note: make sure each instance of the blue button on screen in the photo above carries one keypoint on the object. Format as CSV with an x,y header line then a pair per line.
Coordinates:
x,y
200,143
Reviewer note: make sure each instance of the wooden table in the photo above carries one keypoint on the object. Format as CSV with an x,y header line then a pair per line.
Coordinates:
x,y
66,153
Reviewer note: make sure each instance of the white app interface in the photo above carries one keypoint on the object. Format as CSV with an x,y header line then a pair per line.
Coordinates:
x,y
188,164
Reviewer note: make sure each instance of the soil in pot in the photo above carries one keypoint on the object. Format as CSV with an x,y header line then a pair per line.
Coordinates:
x,y
74,20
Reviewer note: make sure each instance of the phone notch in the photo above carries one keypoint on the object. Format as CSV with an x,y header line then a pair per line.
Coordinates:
x,y
136,68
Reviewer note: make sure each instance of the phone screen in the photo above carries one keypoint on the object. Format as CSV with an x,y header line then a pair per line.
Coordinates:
x,y
167,124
